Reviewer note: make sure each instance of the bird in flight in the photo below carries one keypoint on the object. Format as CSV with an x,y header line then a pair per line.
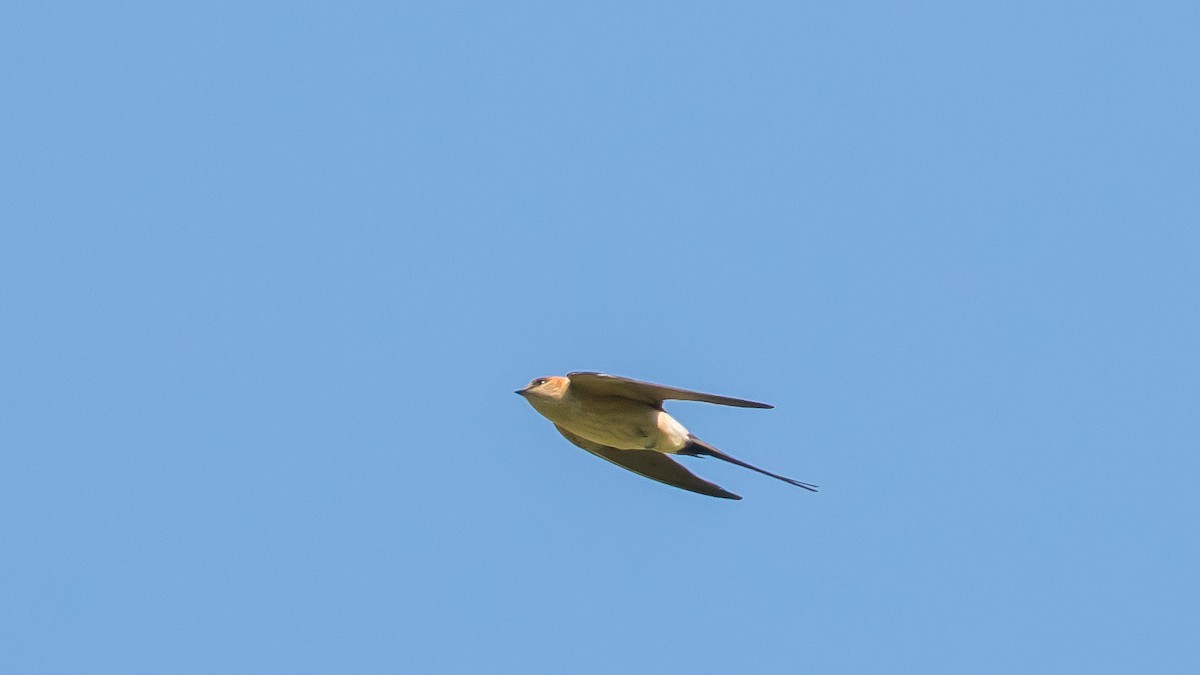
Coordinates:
x,y
622,420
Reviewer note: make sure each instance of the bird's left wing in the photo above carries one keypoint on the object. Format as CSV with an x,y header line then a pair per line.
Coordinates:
x,y
652,465
648,392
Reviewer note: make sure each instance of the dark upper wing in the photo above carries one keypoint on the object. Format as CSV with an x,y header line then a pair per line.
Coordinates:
x,y
648,392
652,465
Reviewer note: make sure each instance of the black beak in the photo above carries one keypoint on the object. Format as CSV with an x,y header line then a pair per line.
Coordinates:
x,y
520,392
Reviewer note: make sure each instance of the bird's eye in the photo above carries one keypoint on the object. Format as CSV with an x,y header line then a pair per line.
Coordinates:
x,y
539,382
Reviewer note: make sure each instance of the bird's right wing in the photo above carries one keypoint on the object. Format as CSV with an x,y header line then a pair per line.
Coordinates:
x,y
652,465
648,392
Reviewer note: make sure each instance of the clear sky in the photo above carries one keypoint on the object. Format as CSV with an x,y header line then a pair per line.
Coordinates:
x,y
270,273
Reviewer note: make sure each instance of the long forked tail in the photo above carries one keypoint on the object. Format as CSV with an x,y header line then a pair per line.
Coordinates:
x,y
699,448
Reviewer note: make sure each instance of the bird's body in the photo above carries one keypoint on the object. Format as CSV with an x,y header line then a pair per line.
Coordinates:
x,y
616,422
622,420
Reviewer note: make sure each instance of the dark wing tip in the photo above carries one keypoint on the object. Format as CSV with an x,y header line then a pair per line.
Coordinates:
x,y
735,402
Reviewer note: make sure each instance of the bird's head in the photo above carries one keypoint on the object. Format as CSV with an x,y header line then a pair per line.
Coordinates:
x,y
545,390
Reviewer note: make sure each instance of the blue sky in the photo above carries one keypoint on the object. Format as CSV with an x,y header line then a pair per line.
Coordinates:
x,y
270,272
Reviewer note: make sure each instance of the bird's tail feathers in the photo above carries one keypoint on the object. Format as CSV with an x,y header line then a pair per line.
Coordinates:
x,y
698,448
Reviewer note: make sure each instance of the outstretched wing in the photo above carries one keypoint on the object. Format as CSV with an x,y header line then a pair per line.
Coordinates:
x,y
652,465
648,392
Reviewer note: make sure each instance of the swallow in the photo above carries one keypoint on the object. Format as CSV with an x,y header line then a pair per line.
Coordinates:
x,y
622,420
